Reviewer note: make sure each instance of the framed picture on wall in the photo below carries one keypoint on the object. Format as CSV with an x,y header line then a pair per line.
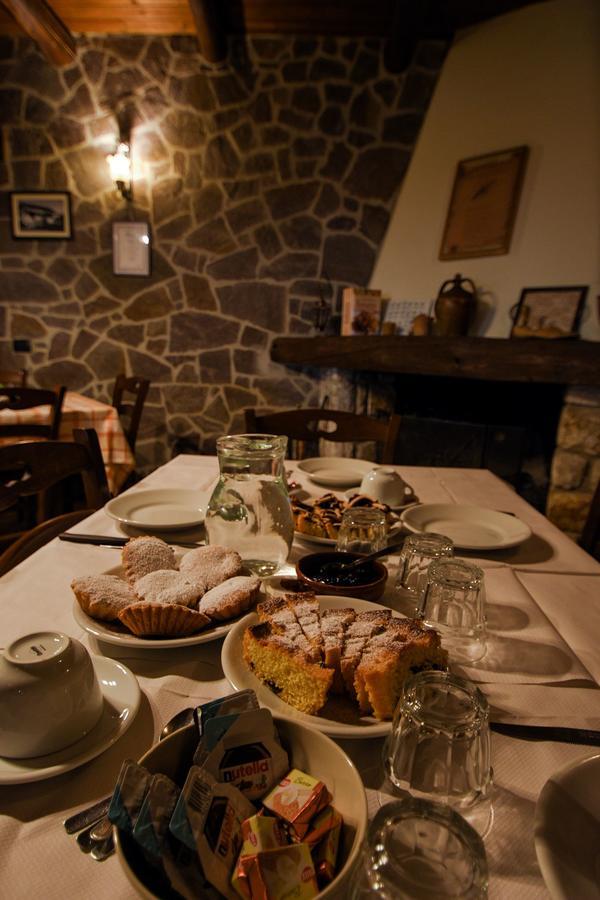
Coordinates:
x,y
131,248
549,312
40,215
483,204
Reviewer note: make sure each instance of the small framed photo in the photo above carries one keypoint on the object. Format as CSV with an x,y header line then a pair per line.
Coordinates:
x,y
549,312
41,214
131,248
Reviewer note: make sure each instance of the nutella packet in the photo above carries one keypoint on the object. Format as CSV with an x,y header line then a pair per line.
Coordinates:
x,y
286,873
259,832
247,755
325,854
152,825
182,867
224,706
322,823
297,799
208,819
129,793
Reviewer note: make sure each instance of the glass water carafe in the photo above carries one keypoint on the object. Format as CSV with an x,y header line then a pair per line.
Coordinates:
x,y
249,509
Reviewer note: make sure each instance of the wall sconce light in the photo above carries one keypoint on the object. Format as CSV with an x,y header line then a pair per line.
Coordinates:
x,y
120,170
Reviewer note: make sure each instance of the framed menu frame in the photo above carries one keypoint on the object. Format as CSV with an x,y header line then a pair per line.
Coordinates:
x,y
549,312
131,248
483,204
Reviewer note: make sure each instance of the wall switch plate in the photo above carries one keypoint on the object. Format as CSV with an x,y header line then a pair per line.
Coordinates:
x,y
22,346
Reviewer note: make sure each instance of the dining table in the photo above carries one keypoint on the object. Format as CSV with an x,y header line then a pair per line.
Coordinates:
x,y
542,667
80,411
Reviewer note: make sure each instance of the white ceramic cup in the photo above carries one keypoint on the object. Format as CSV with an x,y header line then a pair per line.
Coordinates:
x,y
49,695
385,484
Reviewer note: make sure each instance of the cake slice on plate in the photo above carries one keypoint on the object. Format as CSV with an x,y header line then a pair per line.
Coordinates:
x,y
358,634
305,607
276,611
334,623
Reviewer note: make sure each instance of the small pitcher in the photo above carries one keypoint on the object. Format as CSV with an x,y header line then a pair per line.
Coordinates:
x,y
249,510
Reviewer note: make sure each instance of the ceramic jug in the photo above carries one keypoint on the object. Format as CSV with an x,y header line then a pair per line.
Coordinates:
x,y
455,307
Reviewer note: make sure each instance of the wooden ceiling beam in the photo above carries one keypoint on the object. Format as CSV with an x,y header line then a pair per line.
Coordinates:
x,y
210,36
43,25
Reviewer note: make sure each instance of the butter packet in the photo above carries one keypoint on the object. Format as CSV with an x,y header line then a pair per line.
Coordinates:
x,y
259,833
247,755
325,854
129,793
152,824
297,799
322,823
208,819
286,873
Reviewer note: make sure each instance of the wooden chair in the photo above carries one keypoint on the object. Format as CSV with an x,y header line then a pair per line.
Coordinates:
x,y
13,377
37,537
26,398
590,536
33,476
130,408
310,425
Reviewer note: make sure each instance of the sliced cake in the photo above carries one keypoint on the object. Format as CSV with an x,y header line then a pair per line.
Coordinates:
x,y
405,646
334,623
306,609
283,619
288,671
358,634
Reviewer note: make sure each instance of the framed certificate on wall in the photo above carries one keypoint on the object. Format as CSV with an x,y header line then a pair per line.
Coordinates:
x,y
131,248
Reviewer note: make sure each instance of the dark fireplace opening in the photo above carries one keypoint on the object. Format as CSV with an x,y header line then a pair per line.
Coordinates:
x,y
507,427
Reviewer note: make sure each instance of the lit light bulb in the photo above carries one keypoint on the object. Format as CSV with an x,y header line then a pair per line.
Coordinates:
x,y
120,169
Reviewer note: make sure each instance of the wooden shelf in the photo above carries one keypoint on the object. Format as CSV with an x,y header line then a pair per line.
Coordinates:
x,y
487,359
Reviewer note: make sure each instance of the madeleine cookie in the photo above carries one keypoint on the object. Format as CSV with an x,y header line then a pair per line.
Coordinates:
x,y
162,620
167,587
102,596
211,565
145,554
229,599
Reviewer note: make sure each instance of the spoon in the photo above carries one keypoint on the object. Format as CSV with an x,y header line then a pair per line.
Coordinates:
x,y
357,563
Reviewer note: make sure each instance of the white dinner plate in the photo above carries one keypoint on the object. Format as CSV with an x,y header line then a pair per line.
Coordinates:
x,y
167,509
470,527
121,702
335,471
567,831
239,676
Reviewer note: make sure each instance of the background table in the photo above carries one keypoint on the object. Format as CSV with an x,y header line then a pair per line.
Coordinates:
x,y
545,667
84,412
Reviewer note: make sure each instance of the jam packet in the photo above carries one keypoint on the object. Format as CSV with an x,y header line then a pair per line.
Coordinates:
x,y
296,799
129,793
208,819
259,833
286,873
247,755
152,823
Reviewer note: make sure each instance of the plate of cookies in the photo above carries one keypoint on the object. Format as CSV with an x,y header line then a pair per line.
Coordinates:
x,y
159,598
318,520
337,664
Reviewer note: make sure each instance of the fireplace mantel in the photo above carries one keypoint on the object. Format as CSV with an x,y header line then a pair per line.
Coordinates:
x,y
486,359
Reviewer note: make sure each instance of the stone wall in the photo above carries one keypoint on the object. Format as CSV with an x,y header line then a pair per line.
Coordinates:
x,y
266,183
576,463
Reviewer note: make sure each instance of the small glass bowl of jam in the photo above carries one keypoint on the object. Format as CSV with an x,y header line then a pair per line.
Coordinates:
x,y
324,573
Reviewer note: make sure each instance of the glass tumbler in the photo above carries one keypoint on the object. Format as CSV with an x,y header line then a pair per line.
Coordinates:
x,y
362,530
453,604
250,509
439,746
421,849
418,552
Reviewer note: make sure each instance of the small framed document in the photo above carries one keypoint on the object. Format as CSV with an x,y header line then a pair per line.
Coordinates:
x,y
131,248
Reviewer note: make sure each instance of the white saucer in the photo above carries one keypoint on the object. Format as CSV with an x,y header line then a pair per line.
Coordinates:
x,y
239,676
567,831
469,527
121,703
335,471
168,509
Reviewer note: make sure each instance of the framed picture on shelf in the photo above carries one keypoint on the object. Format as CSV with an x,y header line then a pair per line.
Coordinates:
x,y
40,215
131,248
549,312
483,204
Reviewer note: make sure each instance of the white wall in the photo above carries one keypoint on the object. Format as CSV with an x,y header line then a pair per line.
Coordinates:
x,y
530,77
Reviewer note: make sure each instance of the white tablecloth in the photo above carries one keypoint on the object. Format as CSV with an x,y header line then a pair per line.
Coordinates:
x,y
545,668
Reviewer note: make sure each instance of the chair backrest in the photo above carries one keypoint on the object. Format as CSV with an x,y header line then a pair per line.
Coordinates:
x,y
130,407
31,468
13,377
37,537
590,536
17,398
310,425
